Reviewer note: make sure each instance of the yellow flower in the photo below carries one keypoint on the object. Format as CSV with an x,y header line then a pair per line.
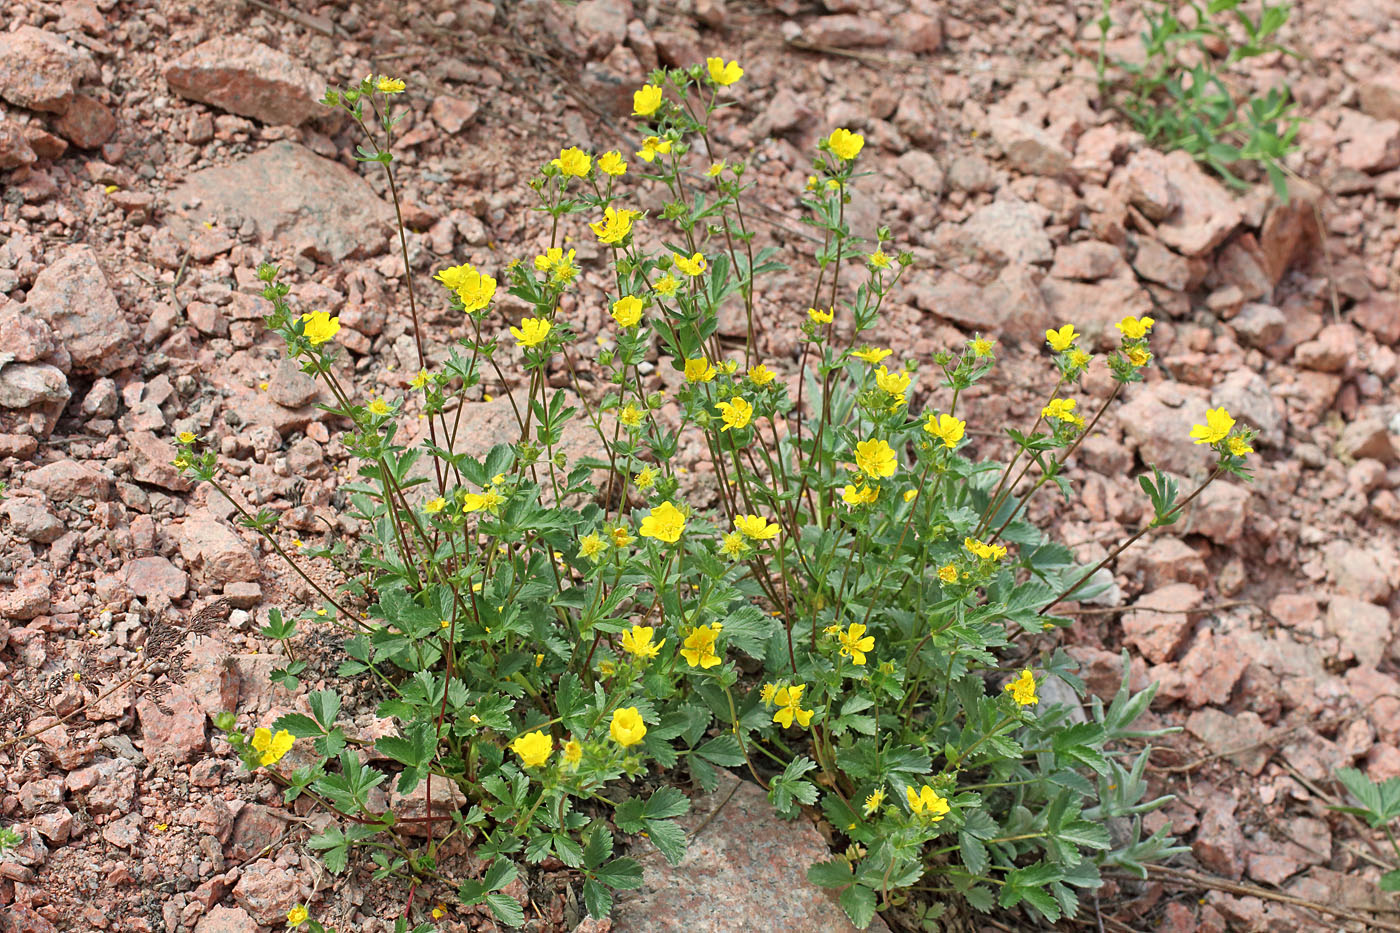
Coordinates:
x,y
821,317
1239,446
319,327
1079,359
896,383
627,728
638,642
439,912
573,161
560,267
531,332
946,428
420,380
1061,409
434,506
612,163
948,573
981,347
875,458
756,527
653,146
879,260
789,703
664,523
699,647
926,803
573,754
620,536
390,85
872,802
273,747
871,355
845,144
984,551
765,695
760,375
910,495
627,310
666,285
733,544
591,545
859,495
298,914
1216,429
186,437
699,370
1022,689
715,169
631,415
533,748
1138,357
473,289
614,226
1060,340
855,643
695,265
1135,329
379,407
723,74
737,413
646,100
647,478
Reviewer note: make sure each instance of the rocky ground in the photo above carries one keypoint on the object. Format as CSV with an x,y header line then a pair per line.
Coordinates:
x,y
153,153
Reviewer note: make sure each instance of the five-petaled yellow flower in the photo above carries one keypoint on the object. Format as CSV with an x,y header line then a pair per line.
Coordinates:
x,y
946,428
1239,447
692,266
859,495
715,169
1061,409
420,380
473,289
948,573
631,415
559,265
388,85
612,163
984,551
821,317
1061,340
721,73
627,728
591,546
573,161
666,285
894,383
531,332
534,748
1216,429
646,100
789,703
926,803
273,747
573,754
664,523
699,370
639,643
434,506
733,545
1138,357
627,310
871,355
981,347
879,260
873,801
845,144
875,458
653,146
297,915
699,647
379,407
760,375
1135,329
756,527
1079,359
737,413
319,327
855,643
1022,689
614,226
187,437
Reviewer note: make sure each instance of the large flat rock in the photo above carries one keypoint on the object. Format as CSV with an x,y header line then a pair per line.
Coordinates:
x,y
294,197
245,77
745,871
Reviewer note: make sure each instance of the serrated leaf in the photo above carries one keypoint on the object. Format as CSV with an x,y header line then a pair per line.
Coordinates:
x,y
974,853
597,898
859,903
505,909
669,839
833,874
621,874
667,802
299,725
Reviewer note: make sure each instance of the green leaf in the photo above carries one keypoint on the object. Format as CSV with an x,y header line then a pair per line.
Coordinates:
x,y
505,909
597,899
325,706
859,903
598,846
974,853
667,802
723,750
669,839
833,874
299,725
621,874
1390,881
